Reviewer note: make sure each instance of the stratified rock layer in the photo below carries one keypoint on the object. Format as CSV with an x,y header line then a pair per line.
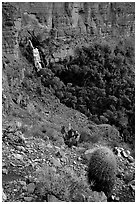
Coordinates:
x,y
66,21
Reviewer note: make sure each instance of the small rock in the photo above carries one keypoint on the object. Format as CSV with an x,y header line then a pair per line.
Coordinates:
x,y
87,154
21,195
97,197
79,159
56,59
63,160
53,169
57,148
128,152
114,198
52,134
124,154
24,188
132,182
56,162
21,148
18,156
117,151
120,148
79,198
128,176
117,199
52,60
23,183
63,146
4,196
31,187
12,164
23,138
132,185
74,148
36,160
52,198
5,171
130,159
49,145
119,175
28,199
11,129
60,153
29,179
18,124
3,164
74,162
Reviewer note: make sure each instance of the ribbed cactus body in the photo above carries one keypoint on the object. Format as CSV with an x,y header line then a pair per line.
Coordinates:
x,y
102,170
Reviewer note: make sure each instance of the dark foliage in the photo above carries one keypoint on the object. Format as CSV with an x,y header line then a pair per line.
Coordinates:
x,y
99,82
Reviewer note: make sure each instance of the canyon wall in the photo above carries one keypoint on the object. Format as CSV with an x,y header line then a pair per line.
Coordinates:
x,y
64,25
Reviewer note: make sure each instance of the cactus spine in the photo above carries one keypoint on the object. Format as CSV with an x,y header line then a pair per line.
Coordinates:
x,y
102,170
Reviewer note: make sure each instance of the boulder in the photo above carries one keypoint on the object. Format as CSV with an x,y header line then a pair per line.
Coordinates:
x,y
132,185
4,171
56,162
4,196
31,187
130,159
52,198
117,151
124,154
97,197
28,199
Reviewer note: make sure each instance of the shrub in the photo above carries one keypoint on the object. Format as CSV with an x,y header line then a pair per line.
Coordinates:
x,y
99,82
84,136
64,183
94,136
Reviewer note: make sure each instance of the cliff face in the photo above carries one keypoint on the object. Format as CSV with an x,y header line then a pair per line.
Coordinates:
x,y
65,23
31,109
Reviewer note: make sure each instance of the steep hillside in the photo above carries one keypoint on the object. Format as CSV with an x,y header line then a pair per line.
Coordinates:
x,y
37,165
34,153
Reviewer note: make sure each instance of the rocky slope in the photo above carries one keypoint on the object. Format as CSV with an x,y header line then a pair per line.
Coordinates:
x,y
36,164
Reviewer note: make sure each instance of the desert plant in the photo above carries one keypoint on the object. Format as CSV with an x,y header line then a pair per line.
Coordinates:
x,y
102,170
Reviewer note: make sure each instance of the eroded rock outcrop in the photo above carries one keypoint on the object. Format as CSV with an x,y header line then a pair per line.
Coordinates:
x,y
66,22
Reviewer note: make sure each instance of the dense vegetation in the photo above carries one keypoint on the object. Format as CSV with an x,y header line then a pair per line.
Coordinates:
x,y
99,82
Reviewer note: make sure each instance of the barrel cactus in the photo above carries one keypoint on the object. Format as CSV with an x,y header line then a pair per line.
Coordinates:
x,y
102,170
